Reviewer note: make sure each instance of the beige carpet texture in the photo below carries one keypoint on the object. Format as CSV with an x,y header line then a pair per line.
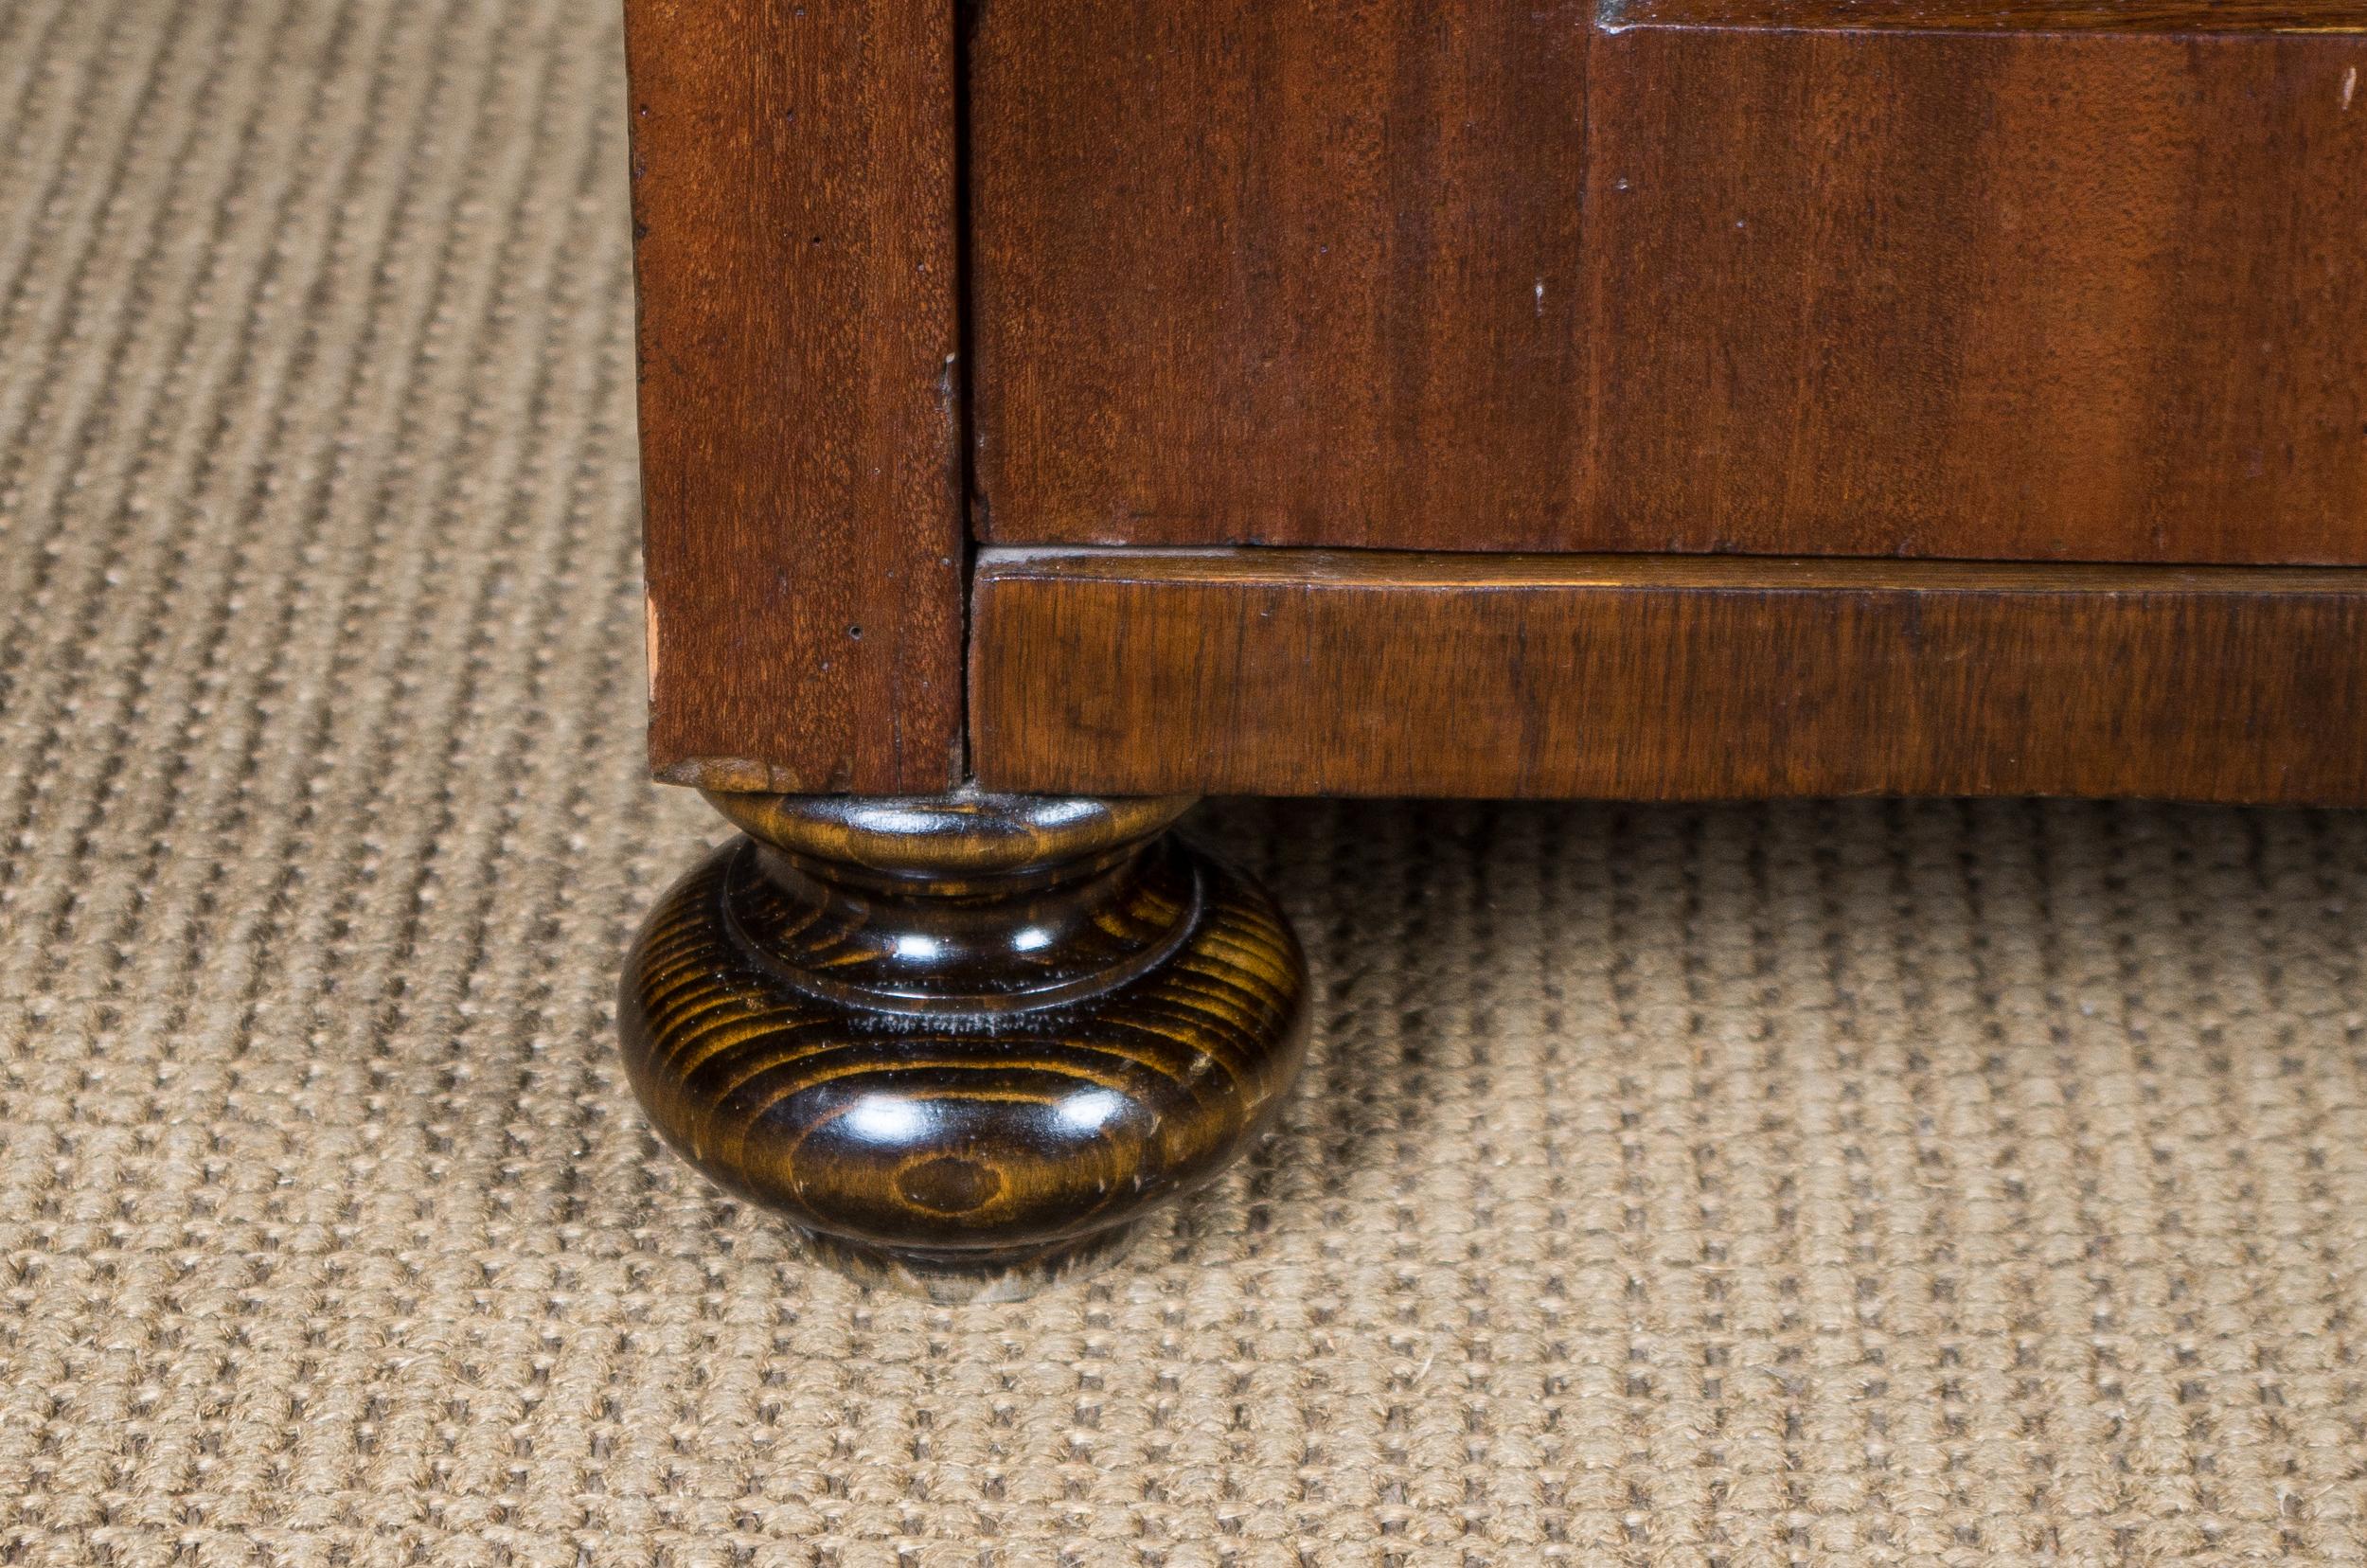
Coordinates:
x,y
1929,1183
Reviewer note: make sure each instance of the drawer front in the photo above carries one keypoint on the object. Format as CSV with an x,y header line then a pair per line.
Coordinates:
x,y
1685,276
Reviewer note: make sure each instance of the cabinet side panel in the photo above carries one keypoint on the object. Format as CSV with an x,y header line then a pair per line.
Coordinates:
x,y
795,212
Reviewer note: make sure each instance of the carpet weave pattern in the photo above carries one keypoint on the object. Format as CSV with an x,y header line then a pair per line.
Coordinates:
x,y
1827,1183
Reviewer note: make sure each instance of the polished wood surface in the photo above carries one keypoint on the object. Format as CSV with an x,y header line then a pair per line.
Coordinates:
x,y
1245,272
964,1043
794,210
2023,295
2067,282
2174,16
1321,672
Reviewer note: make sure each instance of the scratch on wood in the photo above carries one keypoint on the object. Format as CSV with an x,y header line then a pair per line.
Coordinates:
x,y
648,609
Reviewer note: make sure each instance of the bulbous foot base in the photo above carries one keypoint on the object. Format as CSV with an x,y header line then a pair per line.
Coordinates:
x,y
964,1045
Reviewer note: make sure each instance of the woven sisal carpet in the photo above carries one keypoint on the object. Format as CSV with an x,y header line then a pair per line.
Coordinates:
x,y
1851,1183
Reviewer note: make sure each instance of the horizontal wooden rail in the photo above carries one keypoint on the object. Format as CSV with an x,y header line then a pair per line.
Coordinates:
x,y
1663,678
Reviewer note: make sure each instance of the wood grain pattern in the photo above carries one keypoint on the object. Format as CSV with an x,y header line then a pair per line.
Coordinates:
x,y
795,208
2022,297
1676,678
1929,280
963,1043
2127,16
1246,271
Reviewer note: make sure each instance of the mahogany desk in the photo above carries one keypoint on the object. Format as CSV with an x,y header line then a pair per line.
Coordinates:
x,y
1055,409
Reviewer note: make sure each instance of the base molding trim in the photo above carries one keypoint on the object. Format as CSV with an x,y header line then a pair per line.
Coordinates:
x,y
1267,672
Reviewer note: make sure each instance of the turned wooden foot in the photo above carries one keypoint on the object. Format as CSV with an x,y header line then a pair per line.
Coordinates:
x,y
963,1043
